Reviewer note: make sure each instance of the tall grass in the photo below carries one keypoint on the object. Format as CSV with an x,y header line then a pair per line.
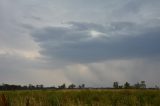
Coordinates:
x,y
80,98
3,100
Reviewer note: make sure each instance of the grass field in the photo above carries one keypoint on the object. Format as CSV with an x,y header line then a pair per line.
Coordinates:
x,y
80,98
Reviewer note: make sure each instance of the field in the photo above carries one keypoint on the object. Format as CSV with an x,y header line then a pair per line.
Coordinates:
x,y
80,98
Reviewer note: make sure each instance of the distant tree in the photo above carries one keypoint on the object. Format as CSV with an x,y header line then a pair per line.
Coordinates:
x,y
25,87
71,86
127,85
63,86
39,86
81,86
115,85
137,86
30,86
120,86
143,84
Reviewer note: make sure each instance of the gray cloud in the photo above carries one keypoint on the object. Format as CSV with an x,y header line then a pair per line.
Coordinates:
x,y
75,43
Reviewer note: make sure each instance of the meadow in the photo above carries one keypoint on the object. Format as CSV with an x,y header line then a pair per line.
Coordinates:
x,y
84,97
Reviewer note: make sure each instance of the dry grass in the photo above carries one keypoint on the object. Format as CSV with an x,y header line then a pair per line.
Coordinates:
x,y
81,98
3,100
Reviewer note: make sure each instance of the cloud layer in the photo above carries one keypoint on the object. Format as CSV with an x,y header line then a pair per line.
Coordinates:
x,y
88,42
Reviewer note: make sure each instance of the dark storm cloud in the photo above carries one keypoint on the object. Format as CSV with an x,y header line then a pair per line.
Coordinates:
x,y
120,40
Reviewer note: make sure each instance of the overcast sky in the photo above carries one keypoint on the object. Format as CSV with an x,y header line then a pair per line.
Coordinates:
x,y
95,42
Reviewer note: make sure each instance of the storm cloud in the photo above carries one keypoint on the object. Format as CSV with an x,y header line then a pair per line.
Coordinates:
x,y
88,42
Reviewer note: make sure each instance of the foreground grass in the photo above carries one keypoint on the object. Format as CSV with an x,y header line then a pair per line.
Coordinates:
x,y
80,98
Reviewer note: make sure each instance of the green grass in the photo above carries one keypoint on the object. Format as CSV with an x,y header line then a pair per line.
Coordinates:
x,y
81,98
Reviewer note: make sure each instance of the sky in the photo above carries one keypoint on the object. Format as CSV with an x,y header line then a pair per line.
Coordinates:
x,y
95,42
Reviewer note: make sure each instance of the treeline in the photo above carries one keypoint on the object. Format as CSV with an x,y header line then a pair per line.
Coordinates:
x,y
127,85
19,87
38,87
116,85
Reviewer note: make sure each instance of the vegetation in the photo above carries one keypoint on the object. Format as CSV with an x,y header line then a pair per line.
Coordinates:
x,y
127,85
119,95
80,97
